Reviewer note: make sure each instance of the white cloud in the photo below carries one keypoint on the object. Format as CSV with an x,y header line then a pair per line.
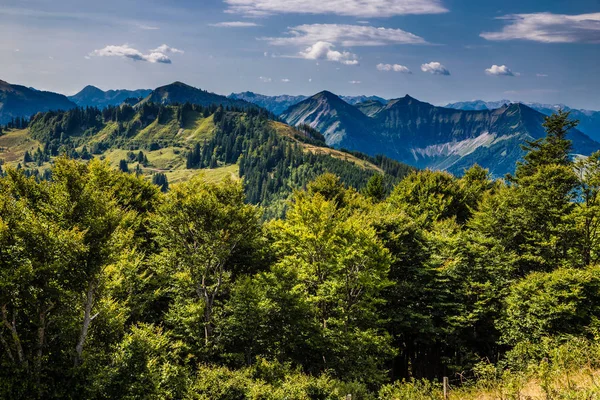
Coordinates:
x,y
285,80
435,68
265,79
499,70
163,48
155,56
345,35
541,75
235,24
309,79
324,51
549,28
394,67
362,22
148,27
355,8
355,82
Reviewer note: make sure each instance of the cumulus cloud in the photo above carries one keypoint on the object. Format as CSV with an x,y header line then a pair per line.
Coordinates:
x,y
265,79
235,24
285,80
157,55
541,75
163,48
345,35
394,67
325,51
435,68
355,82
355,8
549,28
499,70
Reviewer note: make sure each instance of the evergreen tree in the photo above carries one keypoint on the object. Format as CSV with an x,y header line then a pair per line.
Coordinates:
x,y
375,188
123,167
160,180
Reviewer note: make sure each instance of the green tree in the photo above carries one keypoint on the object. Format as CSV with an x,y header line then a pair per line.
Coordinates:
x,y
201,227
375,188
587,209
565,301
553,149
532,217
123,166
342,267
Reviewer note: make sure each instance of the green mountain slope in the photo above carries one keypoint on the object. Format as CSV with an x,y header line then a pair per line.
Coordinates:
x,y
182,140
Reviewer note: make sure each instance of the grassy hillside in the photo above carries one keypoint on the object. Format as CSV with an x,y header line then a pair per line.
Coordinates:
x,y
181,141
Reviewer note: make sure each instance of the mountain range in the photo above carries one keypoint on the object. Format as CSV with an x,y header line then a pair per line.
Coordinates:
x,y
20,101
91,96
427,136
178,92
278,104
589,120
411,131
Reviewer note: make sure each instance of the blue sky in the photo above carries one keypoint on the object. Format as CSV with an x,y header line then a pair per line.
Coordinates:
x,y
438,51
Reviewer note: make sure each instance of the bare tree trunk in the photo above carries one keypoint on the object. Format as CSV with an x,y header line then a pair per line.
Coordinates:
x,y
87,320
12,326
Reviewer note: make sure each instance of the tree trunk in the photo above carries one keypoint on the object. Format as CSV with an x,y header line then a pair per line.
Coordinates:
x,y
12,326
7,348
87,320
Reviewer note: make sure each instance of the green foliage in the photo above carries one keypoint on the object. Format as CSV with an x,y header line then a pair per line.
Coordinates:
x,y
160,180
203,227
562,302
430,196
146,364
411,390
375,188
113,287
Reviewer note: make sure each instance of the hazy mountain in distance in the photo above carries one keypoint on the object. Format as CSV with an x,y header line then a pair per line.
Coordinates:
x,y
21,101
589,120
427,136
91,96
361,99
276,104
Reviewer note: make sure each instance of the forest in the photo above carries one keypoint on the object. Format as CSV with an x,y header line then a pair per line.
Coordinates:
x,y
272,163
115,286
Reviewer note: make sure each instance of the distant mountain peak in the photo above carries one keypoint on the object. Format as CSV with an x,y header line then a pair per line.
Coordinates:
x,y
327,94
180,84
90,89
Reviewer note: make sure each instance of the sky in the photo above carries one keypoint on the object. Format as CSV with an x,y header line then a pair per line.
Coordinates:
x,y
438,51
